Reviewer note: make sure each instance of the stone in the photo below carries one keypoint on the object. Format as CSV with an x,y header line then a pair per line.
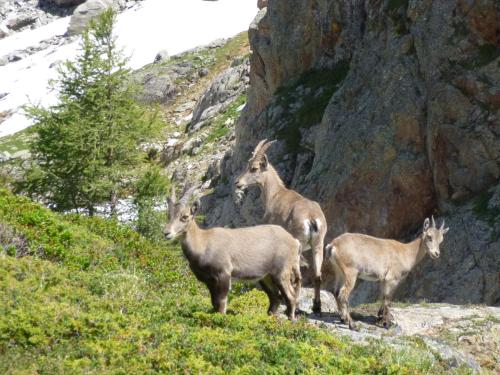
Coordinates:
x,y
20,22
5,156
261,4
85,12
4,32
157,89
162,56
65,3
203,72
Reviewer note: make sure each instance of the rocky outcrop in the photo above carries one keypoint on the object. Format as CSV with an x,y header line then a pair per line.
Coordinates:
x,y
226,87
462,336
386,112
29,14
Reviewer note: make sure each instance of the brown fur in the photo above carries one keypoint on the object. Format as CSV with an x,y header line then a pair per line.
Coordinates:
x,y
301,217
353,255
264,253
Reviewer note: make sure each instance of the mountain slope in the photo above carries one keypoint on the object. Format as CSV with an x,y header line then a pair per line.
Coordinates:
x,y
86,295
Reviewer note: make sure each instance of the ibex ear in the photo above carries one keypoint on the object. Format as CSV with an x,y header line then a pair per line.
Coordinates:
x,y
426,224
195,207
445,230
264,162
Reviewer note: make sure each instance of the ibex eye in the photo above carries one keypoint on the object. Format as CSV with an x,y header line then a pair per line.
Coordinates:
x,y
253,170
185,218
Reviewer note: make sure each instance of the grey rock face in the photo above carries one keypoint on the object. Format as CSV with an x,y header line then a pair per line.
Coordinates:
x,y
224,89
386,113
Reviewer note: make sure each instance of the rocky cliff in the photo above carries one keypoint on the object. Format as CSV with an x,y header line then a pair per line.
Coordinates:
x,y
386,112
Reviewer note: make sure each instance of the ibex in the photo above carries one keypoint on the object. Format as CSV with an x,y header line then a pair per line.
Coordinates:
x,y
301,217
267,253
353,255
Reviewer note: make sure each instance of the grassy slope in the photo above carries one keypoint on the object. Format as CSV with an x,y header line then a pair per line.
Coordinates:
x,y
94,297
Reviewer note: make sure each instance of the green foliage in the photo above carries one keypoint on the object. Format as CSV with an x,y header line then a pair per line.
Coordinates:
x,y
488,52
397,12
86,143
152,189
490,215
15,142
318,87
113,302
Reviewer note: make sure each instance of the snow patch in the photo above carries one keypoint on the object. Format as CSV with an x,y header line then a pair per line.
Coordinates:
x,y
142,31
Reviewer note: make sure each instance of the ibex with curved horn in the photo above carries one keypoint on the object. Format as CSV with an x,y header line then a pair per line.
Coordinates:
x,y
267,253
301,217
353,255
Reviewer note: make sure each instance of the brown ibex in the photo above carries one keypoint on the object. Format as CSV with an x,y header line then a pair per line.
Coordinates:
x,y
353,255
266,253
301,217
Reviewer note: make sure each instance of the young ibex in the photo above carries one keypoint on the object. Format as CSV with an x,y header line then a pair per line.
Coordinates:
x,y
301,217
267,253
353,255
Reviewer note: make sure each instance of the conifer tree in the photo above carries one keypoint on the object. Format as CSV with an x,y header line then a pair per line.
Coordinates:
x,y
85,145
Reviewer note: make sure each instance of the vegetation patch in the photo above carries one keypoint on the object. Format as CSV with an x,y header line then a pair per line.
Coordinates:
x,y
305,101
111,300
487,213
16,142
487,53
396,10
223,123
484,211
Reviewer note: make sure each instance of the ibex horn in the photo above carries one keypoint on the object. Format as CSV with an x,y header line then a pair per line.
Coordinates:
x,y
258,147
263,146
187,195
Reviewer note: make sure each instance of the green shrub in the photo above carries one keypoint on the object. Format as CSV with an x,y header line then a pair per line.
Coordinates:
x,y
152,189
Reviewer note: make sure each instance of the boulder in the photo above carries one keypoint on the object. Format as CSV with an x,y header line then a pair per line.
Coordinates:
x,y
65,3
85,12
157,89
4,32
20,22
162,56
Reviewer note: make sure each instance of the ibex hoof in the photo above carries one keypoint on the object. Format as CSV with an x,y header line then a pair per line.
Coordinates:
x,y
387,324
353,327
316,308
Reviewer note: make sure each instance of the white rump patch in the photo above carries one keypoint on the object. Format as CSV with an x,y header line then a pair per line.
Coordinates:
x,y
307,228
318,223
330,251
